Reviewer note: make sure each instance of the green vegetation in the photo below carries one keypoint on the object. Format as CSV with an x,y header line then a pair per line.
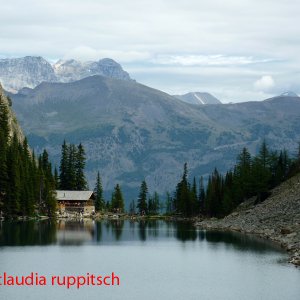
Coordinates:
x,y
250,177
142,200
117,200
99,201
71,168
26,185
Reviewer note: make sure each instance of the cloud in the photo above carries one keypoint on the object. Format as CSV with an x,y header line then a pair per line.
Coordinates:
x,y
85,53
265,83
168,44
207,60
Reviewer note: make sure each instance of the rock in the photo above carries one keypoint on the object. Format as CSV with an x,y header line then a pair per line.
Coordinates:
x,y
295,261
285,231
234,214
291,235
29,71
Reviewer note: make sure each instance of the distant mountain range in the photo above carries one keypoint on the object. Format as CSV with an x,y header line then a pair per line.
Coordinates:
x,y
132,132
30,71
198,98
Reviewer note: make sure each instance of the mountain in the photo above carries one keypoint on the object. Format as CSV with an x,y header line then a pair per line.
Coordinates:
x,y
30,71
72,70
289,94
13,125
132,132
198,98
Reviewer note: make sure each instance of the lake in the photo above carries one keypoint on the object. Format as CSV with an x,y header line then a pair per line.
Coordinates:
x,y
153,260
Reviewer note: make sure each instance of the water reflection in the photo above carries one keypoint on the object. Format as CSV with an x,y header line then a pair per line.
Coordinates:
x,y
27,233
80,232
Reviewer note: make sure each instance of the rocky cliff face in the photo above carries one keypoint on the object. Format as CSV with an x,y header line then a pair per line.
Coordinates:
x,y
13,124
29,72
277,218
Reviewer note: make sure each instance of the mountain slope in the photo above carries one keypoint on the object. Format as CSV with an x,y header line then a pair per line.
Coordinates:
x,y
198,98
131,132
13,125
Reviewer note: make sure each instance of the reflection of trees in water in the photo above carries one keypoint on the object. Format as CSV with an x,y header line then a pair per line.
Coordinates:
x,y
238,241
153,228
27,233
201,235
132,226
185,231
117,228
113,228
142,230
98,231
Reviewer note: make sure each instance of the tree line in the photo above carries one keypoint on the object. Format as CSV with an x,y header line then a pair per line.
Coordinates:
x,y
71,171
250,177
26,183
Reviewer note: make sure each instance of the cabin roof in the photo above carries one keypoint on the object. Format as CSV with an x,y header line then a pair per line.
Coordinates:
x,y
74,195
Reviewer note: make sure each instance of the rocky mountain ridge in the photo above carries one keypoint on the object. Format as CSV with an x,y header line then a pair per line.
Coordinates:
x,y
30,71
72,70
199,98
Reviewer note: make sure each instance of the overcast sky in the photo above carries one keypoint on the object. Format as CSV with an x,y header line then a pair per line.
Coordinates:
x,y
238,50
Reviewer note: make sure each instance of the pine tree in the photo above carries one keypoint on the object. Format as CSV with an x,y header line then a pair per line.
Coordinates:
x,y
182,201
63,169
99,201
242,176
81,183
214,194
3,169
56,178
228,197
27,197
194,199
117,201
4,126
71,168
47,186
4,133
201,196
261,174
12,206
142,199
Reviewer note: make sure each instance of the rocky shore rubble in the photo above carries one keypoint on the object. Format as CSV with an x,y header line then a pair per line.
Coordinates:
x,y
276,219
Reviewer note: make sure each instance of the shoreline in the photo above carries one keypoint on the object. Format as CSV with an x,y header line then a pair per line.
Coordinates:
x,y
284,240
286,237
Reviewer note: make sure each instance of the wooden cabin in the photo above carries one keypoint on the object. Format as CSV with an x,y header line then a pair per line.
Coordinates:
x,y
76,201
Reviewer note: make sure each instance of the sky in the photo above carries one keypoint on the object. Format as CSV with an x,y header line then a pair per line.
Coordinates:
x,y
238,50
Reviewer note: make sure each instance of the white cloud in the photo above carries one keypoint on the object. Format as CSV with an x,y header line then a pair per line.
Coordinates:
x,y
265,83
85,53
209,60
214,44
